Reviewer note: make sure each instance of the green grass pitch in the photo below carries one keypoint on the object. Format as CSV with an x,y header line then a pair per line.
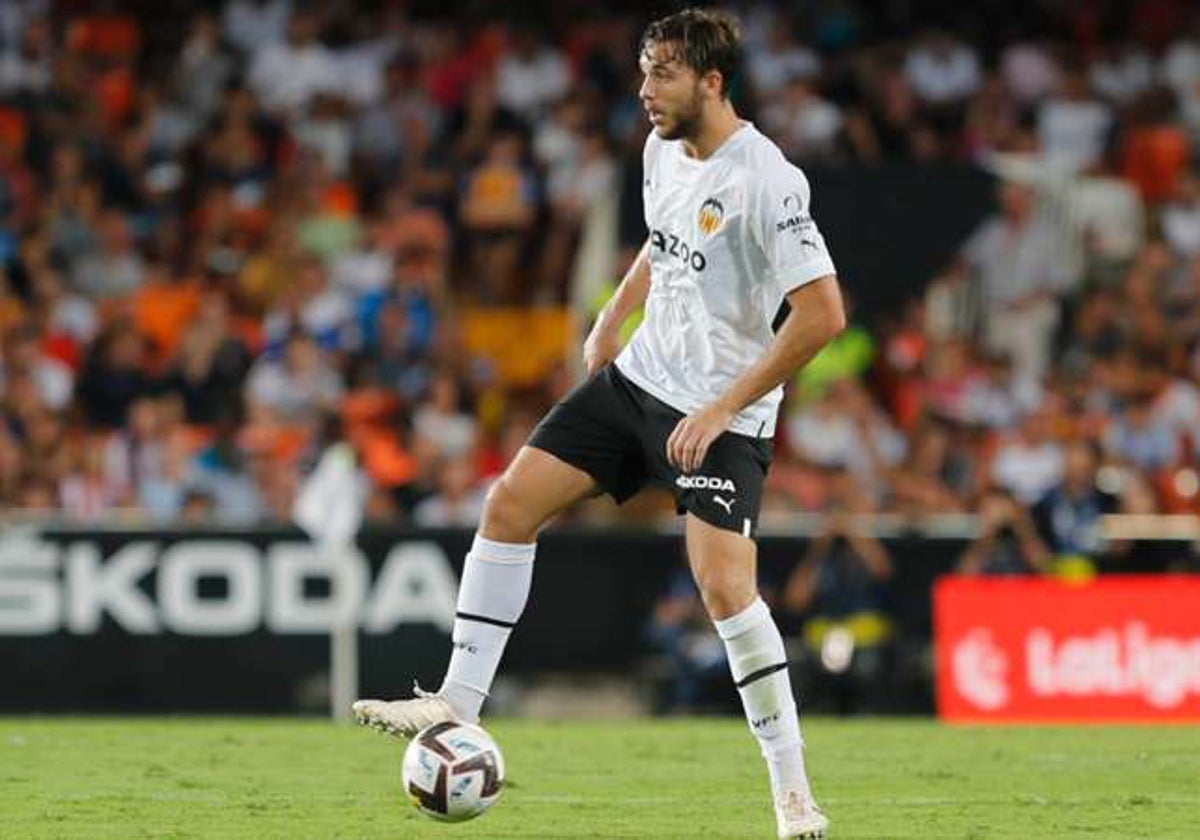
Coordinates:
x,y
878,779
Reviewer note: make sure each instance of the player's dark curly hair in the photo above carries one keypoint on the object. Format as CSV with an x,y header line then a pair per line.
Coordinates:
x,y
707,39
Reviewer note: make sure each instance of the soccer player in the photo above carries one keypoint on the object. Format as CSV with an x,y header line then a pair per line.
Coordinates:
x,y
689,403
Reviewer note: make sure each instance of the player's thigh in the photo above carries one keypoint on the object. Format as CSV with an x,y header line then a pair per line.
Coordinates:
x,y
534,487
725,565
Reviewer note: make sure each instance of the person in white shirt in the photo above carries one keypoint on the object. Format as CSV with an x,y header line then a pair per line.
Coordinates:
x,y
251,25
1180,218
806,125
781,62
689,403
1013,259
942,70
531,76
1123,72
287,76
1181,72
1074,128
1029,70
1030,462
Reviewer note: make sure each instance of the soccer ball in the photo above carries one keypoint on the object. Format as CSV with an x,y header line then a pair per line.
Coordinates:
x,y
453,771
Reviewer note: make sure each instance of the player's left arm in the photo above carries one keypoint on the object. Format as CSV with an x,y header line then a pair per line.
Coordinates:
x,y
817,316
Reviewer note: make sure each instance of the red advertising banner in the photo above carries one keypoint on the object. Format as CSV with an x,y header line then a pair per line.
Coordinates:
x,y
1120,648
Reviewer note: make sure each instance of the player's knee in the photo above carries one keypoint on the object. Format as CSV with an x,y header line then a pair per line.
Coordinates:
x,y
724,593
505,516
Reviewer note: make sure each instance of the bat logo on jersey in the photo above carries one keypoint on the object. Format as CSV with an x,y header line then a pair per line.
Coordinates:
x,y
711,216
676,247
795,217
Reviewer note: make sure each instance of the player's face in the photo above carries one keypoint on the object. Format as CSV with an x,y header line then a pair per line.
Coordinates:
x,y
671,93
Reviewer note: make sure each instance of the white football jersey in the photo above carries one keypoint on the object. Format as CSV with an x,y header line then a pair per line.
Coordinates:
x,y
730,236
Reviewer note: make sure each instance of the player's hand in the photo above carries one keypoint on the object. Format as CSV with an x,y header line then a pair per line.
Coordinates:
x,y
689,442
601,347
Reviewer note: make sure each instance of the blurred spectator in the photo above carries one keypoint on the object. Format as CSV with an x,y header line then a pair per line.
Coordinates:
x,y
325,131
1016,259
1122,72
1181,71
268,271
114,376
999,400
27,67
1154,150
694,658
573,190
845,430
1181,218
115,269
531,75
498,207
252,24
934,478
992,122
1068,517
287,76
941,69
1008,542
1030,461
220,474
1141,438
440,422
133,455
458,502
393,133
840,588
24,355
210,365
1029,70
85,491
309,304
781,62
1074,127
204,68
807,127
294,387
68,317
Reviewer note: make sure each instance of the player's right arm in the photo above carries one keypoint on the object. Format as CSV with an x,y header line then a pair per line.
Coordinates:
x,y
604,341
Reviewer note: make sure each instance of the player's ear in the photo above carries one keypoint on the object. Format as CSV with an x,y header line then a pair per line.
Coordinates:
x,y
713,82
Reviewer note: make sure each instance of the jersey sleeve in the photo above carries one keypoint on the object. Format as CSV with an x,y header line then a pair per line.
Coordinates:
x,y
782,225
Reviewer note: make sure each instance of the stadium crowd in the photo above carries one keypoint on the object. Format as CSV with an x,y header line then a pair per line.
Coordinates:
x,y
230,233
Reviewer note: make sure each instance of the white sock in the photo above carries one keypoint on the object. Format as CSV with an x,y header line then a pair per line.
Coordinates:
x,y
759,665
491,597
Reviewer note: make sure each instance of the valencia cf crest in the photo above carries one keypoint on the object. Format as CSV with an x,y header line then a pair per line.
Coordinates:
x,y
711,216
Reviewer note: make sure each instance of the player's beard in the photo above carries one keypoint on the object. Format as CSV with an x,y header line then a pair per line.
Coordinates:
x,y
686,124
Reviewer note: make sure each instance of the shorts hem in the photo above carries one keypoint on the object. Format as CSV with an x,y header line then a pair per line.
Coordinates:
x,y
747,528
620,496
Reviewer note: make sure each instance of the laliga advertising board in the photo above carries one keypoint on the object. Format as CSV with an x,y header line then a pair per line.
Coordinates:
x,y
1120,648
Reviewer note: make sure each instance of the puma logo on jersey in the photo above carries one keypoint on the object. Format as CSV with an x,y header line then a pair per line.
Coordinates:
x,y
728,505
705,482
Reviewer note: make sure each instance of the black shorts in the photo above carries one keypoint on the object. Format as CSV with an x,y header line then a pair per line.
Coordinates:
x,y
617,433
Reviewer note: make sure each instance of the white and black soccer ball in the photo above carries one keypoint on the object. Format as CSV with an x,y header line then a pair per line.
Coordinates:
x,y
453,771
